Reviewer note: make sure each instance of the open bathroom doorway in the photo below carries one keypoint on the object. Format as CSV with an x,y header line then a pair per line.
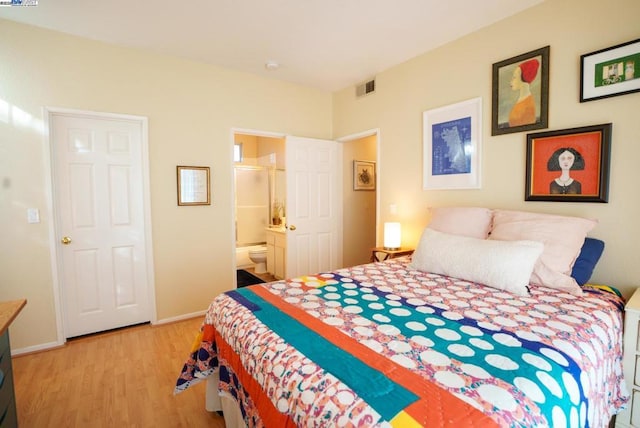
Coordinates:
x,y
259,204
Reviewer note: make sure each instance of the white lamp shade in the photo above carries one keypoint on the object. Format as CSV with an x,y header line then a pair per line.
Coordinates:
x,y
392,234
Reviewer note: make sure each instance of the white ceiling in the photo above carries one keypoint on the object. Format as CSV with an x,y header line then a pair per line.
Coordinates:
x,y
328,44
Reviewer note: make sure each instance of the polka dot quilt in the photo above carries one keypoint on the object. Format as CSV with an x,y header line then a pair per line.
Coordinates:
x,y
383,345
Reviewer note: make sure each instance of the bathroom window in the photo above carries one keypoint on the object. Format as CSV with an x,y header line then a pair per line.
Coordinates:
x,y
237,152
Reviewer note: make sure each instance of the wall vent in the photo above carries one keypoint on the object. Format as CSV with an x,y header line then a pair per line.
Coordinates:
x,y
366,88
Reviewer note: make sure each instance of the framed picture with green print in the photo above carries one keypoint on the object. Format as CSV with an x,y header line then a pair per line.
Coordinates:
x,y
610,72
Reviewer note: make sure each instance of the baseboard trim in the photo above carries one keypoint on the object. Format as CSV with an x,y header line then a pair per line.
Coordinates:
x,y
52,345
180,318
36,348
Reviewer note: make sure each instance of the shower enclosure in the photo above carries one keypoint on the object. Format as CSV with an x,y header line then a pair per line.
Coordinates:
x,y
252,204
259,189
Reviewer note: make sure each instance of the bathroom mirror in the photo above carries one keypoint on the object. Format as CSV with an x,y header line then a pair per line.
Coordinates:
x,y
193,185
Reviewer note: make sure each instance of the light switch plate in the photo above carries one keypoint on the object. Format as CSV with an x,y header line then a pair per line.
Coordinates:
x,y
33,215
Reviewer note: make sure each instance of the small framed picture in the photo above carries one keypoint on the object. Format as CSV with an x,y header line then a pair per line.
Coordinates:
x,y
193,185
569,165
451,147
521,93
610,72
364,175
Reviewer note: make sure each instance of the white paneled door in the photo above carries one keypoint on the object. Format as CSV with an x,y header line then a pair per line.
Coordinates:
x,y
99,202
314,206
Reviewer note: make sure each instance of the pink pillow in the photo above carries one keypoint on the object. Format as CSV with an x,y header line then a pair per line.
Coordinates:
x,y
465,221
562,238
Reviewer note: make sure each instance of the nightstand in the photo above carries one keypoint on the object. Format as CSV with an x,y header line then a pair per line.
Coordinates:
x,y
379,254
631,360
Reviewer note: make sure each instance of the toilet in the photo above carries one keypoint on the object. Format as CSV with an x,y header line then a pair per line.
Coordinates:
x,y
258,255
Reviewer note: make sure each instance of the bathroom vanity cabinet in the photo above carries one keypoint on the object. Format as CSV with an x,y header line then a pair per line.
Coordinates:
x,y
276,252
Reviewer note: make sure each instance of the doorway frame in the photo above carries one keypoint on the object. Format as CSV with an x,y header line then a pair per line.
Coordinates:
x,y
53,218
357,136
232,202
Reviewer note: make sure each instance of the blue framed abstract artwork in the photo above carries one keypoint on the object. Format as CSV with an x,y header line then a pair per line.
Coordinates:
x,y
451,155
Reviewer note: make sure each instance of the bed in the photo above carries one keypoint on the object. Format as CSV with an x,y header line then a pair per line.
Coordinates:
x,y
412,342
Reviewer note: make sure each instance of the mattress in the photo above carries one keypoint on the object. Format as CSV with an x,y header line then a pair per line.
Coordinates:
x,y
384,345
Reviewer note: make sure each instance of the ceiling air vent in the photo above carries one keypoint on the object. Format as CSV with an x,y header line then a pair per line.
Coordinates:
x,y
366,88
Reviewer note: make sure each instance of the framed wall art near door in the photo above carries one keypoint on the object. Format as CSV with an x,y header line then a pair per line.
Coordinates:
x,y
451,146
569,165
193,185
364,175
521,93
610,72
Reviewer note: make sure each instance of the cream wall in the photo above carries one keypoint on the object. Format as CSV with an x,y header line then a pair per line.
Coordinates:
x,y
269,145
462,70
192,109
249,148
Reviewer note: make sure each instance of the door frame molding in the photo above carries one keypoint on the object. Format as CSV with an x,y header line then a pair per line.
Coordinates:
x,y
53,219
232,201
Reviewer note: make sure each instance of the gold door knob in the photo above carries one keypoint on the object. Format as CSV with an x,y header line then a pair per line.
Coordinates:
x,y
66,240
292,227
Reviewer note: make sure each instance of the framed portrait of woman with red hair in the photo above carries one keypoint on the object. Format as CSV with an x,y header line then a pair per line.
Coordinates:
x,y
521,93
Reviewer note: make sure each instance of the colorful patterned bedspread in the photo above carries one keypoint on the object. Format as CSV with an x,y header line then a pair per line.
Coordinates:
x,y
383,345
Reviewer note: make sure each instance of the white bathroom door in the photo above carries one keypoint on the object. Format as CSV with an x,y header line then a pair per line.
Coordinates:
x,y
314,208
100,214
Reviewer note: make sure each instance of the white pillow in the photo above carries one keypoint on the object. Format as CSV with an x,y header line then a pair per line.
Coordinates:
x,y
505,265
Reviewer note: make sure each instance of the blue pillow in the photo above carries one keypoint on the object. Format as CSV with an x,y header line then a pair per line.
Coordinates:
x,y
585,263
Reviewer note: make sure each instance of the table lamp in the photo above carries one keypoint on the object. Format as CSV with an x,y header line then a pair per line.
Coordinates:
x,y
392,234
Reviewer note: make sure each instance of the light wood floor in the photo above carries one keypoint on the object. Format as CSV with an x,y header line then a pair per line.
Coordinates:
x,y
116,379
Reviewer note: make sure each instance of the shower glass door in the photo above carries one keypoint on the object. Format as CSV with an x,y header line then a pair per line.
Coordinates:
x,y
252,205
